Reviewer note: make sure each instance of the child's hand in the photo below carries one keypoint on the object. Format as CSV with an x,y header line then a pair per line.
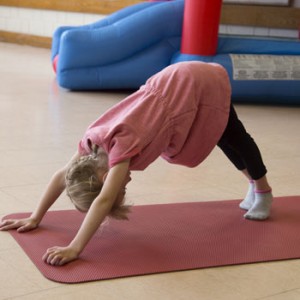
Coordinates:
x,y
22,225
58,256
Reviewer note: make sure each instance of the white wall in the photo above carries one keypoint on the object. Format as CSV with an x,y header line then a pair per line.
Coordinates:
x,y
40,22
44,22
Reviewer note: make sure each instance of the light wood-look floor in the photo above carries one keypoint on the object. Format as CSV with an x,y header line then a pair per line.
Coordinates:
x,y
40,126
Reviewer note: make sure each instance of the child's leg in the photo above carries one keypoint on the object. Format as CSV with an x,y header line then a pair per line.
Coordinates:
x,y
243,152
237,161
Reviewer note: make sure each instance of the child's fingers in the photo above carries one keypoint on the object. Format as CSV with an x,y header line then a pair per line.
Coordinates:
x,y
58,256
48,256
27,227
5,222
44,258
8,224
53,258
20,225
24,228
63,261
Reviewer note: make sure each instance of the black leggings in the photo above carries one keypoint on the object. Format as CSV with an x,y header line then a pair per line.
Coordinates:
x,y
240,147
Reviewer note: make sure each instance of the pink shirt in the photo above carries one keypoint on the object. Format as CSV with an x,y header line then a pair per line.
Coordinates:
x,y
179,114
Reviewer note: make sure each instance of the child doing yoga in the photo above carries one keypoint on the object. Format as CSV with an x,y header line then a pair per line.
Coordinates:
x,y
180,114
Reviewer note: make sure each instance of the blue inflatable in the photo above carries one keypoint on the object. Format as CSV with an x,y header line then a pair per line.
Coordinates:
x,y
124,49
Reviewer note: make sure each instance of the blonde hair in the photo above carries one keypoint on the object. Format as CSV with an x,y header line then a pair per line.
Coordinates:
x,y
83,186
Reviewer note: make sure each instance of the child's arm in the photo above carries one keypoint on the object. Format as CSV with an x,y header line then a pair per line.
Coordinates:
x,y
54,189
95,216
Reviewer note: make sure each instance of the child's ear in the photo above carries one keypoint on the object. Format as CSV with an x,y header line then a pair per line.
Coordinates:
x,y
95,150
93,147
90,145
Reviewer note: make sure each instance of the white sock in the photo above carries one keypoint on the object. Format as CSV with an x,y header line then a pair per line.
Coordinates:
x,y
261,207
248,201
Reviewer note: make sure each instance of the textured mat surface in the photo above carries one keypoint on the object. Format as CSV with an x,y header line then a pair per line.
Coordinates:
x,y
167,237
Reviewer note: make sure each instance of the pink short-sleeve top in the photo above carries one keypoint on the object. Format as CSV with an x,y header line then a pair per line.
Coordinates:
x,y
179,114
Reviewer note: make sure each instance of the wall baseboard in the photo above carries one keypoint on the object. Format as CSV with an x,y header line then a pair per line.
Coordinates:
x,y
83,6
25,39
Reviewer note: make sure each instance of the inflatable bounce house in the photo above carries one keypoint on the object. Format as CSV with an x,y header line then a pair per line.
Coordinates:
x,y
124,49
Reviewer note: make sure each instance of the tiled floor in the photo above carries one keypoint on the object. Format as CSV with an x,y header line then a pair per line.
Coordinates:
x,y
40,126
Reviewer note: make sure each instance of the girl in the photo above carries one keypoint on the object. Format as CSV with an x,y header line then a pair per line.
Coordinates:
x,y
180,114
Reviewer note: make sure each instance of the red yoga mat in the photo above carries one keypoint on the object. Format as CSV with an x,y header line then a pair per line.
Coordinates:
x,y
167,237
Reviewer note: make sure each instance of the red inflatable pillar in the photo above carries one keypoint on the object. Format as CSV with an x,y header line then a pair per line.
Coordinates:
x,y
200,27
